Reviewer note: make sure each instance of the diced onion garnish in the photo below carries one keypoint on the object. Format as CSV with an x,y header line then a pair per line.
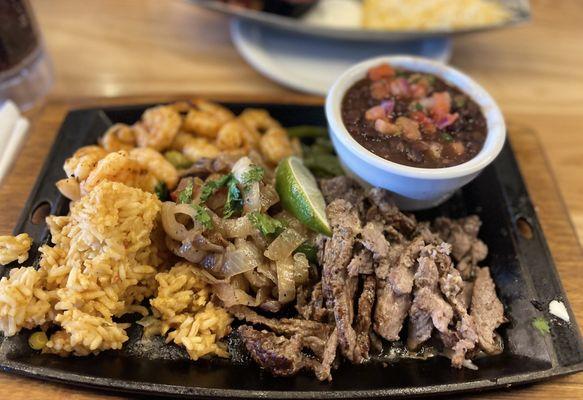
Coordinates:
x,y
241,167
301,269
252,198
286,280
268,197
284,245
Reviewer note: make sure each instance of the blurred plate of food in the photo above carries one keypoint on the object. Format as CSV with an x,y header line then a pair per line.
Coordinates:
x,y
311,64
377,20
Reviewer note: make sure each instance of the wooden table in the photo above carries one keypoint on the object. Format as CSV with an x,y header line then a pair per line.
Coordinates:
x,y
111,48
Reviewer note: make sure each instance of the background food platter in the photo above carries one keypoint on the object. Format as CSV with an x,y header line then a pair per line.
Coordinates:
x,y
520,12
520,262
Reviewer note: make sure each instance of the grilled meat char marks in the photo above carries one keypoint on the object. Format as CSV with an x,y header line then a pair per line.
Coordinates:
x,y
281,356
338,288
379,269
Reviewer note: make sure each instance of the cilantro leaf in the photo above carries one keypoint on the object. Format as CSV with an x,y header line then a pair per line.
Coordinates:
x,y
266,224
211,187
447,137
541,325
203,216
253,174
309,250
161,191
185,195
234,202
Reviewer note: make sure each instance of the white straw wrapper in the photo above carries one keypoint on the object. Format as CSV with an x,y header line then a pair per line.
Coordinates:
x,y
15,140
9,114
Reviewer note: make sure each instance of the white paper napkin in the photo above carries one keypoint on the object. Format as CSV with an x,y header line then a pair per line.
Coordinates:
x,y
13,128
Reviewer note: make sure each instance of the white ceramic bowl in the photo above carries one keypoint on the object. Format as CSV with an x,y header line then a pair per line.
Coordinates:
x,y
415,188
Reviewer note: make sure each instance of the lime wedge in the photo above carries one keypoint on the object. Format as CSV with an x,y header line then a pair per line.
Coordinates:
x,y
300,195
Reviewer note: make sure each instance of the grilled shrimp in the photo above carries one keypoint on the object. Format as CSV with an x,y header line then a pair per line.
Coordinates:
x,y
118,137
197,148
206,118
158,127
120,167
156,164
83,162
231,134
275,145
258,121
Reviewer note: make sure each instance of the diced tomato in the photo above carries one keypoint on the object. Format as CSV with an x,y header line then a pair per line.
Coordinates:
x,y
424,121
381,71
410,128
380,89
418,91
386,128
376,112
446,120
441,104
400,87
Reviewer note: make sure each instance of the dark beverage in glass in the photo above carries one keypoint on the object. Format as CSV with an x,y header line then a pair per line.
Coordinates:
x,y
25,73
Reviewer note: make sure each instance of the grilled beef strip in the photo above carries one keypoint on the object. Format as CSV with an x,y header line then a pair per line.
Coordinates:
x,y
364,317
361,263
462,234
337,287
383,200
429,310
284,326
279,355
487,311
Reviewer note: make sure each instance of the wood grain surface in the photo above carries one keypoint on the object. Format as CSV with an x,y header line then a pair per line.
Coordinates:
x,y
153,50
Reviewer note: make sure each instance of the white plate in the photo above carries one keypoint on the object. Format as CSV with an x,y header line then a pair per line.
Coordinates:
x,y
310,64
334,23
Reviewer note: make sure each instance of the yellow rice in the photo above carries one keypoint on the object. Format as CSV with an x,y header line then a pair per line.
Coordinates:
x,y
105,261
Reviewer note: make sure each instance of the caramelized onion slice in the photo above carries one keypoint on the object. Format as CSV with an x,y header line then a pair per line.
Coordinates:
x,y
175,229
284,245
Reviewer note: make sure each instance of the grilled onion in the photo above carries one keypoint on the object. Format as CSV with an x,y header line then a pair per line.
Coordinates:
x,y
175,229
284,245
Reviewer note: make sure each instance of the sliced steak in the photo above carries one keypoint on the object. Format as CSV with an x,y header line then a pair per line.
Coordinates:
x,y
364,317
323,371
462,234
401,279
383,200
337,287
361,263
373,239
451,285
284,326
401,276
487,311
315,309
342,187
390,311
277,354
428,310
